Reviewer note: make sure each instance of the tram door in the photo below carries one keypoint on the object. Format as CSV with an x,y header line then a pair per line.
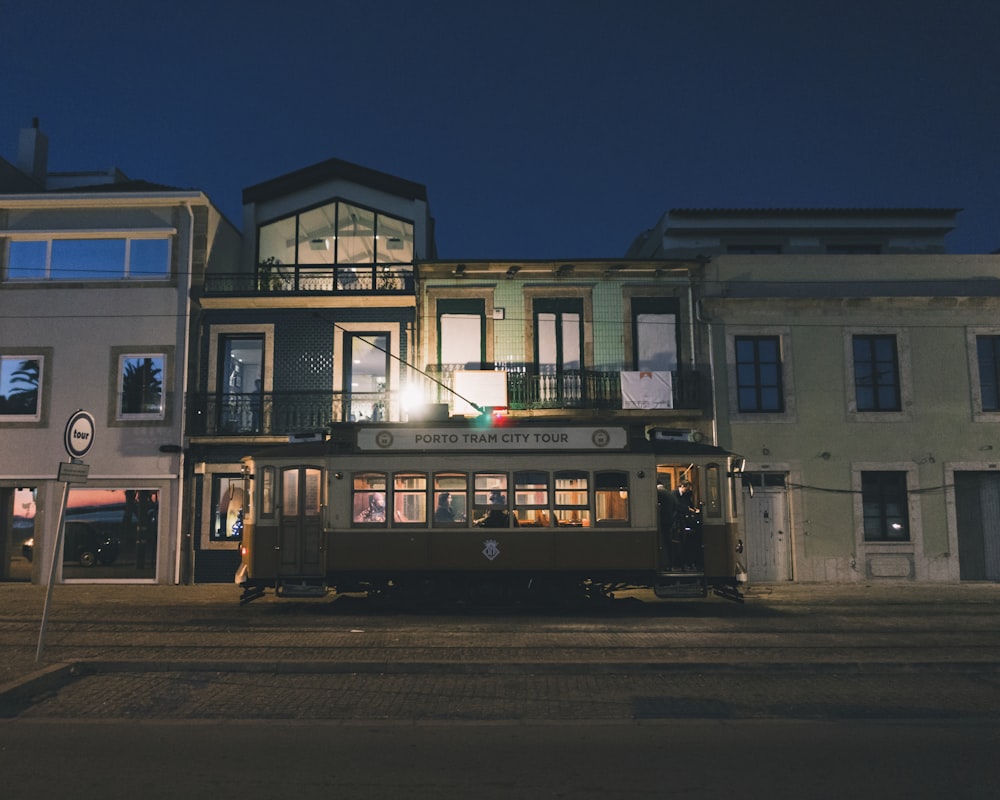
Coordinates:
x,y
300,534
767,531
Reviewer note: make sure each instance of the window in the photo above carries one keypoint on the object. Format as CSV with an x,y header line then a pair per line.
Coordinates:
x,y
140,386
229,507
572,499
451,503
336,233
461,333
558,335
241,393
559,350
369,498
366,367
654,333
409,498
876,373
91,259
884,506
988,358
758,374
611,498
531,498
491,502
111,533
267,491
20,387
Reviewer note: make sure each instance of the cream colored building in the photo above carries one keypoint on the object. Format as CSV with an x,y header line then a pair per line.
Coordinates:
x,y
856,369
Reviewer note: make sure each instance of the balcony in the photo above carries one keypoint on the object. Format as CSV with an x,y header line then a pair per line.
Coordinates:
x,y
284,413
306,279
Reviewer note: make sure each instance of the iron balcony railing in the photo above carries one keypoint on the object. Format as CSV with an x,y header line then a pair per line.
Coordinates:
x,y
279,279
283,413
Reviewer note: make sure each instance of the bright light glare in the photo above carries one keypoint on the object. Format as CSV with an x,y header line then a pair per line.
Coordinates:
x,y
411,397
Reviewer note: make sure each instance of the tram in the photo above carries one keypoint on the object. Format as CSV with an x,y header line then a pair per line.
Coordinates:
x,y
452,511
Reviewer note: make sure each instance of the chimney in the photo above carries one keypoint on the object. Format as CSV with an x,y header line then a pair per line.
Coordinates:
x,y
33,152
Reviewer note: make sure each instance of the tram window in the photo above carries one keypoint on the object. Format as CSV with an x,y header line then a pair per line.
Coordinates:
x,y
267,491
713,506
531,498
369,497
451,493
611,498
572,496
490,500
409,498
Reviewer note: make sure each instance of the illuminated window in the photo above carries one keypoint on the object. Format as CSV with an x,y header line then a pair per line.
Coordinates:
x,y
611,497
409,498
451,498
572,499
531,498
369,501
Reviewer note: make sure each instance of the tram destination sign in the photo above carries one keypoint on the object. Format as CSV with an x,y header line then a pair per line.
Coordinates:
x,y
492,440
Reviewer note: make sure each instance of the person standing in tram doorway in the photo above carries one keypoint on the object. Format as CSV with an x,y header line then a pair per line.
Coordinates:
x,y
687,523
670,544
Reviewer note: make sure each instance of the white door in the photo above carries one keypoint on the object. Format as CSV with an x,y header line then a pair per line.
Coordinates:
x,y
767,534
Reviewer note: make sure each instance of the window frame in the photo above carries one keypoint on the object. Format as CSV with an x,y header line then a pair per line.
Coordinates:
x,y
41,416
979,411
116,416
904,376
788,414
758,386
128,238
301,240
879,491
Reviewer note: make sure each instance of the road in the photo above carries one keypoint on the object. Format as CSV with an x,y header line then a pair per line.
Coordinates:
x,y
801,692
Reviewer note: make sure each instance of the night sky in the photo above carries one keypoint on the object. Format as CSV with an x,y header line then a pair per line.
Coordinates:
x,y
545,129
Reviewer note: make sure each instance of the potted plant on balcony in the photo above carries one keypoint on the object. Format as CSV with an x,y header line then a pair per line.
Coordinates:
x,y
268,276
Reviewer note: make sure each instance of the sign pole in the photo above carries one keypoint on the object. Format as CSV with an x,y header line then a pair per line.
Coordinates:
x,y
78,438
56,550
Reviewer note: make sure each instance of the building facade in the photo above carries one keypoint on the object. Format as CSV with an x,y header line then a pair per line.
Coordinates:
x,y
856,370
95,304
314,326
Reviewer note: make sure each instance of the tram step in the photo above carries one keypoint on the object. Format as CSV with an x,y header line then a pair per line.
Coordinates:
x,y
304,588
680,584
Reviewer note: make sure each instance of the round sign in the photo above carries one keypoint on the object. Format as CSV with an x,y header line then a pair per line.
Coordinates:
x,y
79,437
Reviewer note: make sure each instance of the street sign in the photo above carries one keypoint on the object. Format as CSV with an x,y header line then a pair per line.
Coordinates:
x,y
79,436
73,473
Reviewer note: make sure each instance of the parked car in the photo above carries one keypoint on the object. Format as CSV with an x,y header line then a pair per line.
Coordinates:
x,y
84,544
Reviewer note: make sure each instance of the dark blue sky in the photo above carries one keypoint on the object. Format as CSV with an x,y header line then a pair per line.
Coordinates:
x,y
541,128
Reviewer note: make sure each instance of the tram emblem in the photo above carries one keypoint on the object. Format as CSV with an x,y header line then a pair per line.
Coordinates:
x,y
491,549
